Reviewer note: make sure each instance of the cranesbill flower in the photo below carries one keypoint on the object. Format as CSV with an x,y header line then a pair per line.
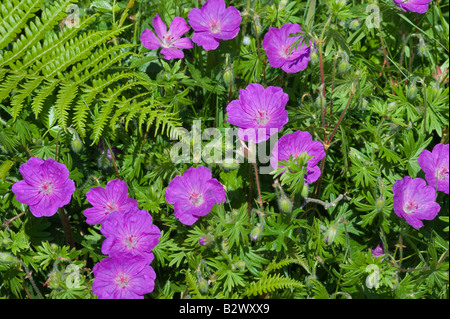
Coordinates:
x,y
281,51
214,22
114,197
46,186
435,166
170,41
378,251
123,277
194,194
258,112
131,232
414,201
419,6
299,144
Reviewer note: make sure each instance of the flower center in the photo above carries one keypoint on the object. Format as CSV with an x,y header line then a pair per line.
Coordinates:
x,y
122,280
196,198
410,206
167,41
46,187
285,51
130,241
214,26
262,118
442,173
111,207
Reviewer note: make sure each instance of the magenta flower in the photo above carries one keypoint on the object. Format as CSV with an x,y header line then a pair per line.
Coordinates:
x,y
126,277
131,232
170,41
194,194
414,201
107,200
46,186
378,251
435,166
296,144
213,22
281,51
259,112
419,6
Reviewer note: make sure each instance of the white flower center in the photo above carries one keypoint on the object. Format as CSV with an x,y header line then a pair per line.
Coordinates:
x,y
410,206
196,198
111,207
442,173
122,280
214,26
46,187
262,118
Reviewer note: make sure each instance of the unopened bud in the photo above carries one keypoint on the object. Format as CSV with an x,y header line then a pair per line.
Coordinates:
x,y
343,66
256,232
7,258
228,76
206,240
314,56
203,285
422,48
331,234
354,24
411,92
76,145
379,204
305,191
321,101
285,204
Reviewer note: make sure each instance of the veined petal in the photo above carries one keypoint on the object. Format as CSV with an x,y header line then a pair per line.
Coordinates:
x,y
178,27
170,53
159,26
149,40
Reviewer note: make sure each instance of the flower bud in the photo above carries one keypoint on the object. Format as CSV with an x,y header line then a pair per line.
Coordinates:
x,y
379,204
228,76
256,232
330,234
343,66
7,258
321,101
203,285
285,204
206,240
422,48
373,280
354,24
246,40
411,91
76,145
314,56
305,191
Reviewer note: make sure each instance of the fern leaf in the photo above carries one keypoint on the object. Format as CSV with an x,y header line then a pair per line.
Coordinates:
x,y
42,94
9,84
16,14
34,31
271,283
81,112
66,94
18,99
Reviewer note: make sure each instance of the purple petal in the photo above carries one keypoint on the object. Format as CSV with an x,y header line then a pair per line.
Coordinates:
x,y
206,41
159,26
197,21
183,43
178,27
149,40
170,54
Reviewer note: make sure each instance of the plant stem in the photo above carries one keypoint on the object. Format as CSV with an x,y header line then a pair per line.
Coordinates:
x,y
257,184
66,226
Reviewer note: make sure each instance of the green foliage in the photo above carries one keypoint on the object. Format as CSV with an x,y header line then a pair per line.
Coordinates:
x,y
93,98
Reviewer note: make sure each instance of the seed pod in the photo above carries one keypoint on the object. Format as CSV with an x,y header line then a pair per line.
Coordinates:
x,y
285,204
228,76
379,204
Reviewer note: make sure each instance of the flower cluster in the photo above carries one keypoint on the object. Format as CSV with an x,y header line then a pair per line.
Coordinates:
x,y
414,200
130,238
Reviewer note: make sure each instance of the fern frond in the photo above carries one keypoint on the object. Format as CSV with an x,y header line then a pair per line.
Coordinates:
x,y
81,112
41,95
275,265
13,17
35,30
271,283
66,94
32,60
192,285
9,84
26,89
